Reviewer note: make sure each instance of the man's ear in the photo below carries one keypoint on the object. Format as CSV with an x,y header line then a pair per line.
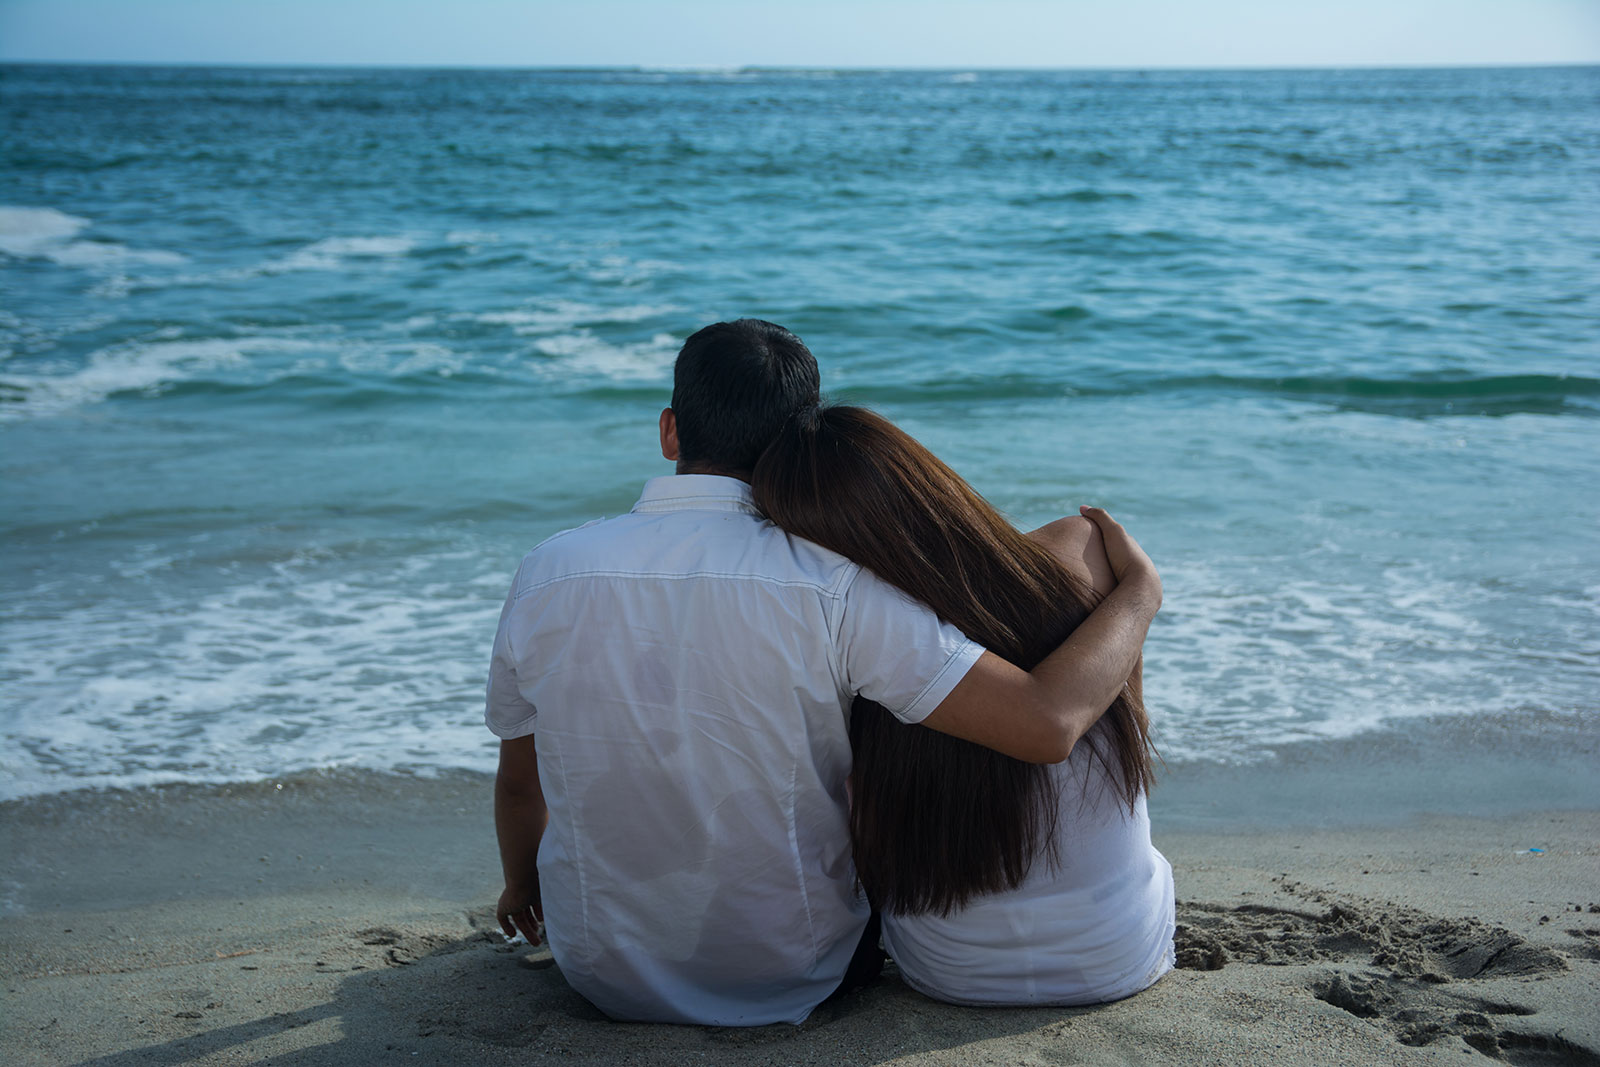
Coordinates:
x,y
669,435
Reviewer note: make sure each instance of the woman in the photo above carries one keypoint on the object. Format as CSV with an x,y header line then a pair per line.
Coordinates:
x,y
1000,882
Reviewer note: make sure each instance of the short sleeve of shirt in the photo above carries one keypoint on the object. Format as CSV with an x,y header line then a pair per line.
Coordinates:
x,y
896,651
507,714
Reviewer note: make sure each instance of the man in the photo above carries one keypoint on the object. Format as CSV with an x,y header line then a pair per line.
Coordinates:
x,y
671,689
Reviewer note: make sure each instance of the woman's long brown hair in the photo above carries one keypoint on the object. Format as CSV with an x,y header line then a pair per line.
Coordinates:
x,y
936,821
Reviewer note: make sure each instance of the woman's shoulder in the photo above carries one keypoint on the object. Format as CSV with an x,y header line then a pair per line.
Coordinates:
x,y
1077,543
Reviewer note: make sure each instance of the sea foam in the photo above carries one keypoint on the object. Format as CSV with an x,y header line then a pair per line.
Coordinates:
x,y
45,233
293,669
333,253
130,368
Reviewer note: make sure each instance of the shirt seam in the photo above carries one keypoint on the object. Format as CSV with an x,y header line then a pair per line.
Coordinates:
x,y
835,616
799,867
511,733
960,653
558,535
787,583
524,725
677,503
743,501
573,838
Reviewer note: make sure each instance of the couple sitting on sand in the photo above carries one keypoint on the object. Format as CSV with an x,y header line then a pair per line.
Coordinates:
x,y
810,679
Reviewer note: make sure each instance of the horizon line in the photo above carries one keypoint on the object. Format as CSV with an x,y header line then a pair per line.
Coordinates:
x,y
661,68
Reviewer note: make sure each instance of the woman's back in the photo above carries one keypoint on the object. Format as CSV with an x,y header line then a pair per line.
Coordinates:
x,y
1000,881
1093,926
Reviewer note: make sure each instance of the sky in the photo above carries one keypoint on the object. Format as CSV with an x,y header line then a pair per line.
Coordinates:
x,y
805,33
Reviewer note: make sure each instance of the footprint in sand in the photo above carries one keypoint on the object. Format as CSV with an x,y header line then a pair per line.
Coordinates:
x,y
1588,946
1414,969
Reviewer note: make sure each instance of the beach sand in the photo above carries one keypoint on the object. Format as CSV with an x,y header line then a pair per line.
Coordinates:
x,y
347,919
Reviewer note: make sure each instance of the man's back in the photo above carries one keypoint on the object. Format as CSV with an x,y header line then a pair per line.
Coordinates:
x,y
691,666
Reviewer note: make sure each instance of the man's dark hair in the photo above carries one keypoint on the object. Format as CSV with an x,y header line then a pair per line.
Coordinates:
x,y
733,387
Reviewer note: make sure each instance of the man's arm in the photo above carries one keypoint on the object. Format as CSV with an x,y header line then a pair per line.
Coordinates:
x,y
520,817
1039,715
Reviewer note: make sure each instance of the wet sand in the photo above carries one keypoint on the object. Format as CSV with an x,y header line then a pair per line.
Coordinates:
x,y
347,919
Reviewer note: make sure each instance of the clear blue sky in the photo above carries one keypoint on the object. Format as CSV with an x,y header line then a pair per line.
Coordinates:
x,y
872,33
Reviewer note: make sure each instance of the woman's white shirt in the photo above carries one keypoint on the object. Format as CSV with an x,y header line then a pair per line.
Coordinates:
x,y
1095,926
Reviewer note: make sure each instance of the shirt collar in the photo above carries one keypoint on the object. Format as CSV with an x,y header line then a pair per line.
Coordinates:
x,y
696,492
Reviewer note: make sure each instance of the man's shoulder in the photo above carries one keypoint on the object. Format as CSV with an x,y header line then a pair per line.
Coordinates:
x,y
574,547
570,537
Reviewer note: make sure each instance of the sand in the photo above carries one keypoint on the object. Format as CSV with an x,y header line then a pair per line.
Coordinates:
x,y
347,919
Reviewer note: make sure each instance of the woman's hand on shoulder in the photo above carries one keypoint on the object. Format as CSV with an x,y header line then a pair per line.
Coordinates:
x,y
1128,561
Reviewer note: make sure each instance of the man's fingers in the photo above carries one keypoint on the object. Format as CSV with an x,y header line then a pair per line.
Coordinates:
x,y
520,922
528,925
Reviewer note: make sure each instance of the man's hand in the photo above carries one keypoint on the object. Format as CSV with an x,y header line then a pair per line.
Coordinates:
x,y
521,911
1128,561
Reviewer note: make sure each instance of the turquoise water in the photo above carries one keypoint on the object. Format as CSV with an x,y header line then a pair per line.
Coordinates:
x,y
294,365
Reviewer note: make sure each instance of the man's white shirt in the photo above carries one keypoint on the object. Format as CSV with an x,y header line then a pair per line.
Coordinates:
x,y
687,672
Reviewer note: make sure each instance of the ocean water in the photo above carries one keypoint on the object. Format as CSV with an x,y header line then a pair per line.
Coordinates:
x,y
295,364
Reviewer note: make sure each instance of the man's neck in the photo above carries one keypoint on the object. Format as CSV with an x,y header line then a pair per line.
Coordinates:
x,y
703,468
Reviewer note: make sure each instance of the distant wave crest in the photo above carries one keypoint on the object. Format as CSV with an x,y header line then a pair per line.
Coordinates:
x,y
1491,394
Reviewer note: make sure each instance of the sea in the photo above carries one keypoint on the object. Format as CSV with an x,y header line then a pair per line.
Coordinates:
x,y
295,364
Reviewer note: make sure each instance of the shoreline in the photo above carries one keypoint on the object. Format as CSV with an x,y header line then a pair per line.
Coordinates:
x,y
1449,764
344,918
